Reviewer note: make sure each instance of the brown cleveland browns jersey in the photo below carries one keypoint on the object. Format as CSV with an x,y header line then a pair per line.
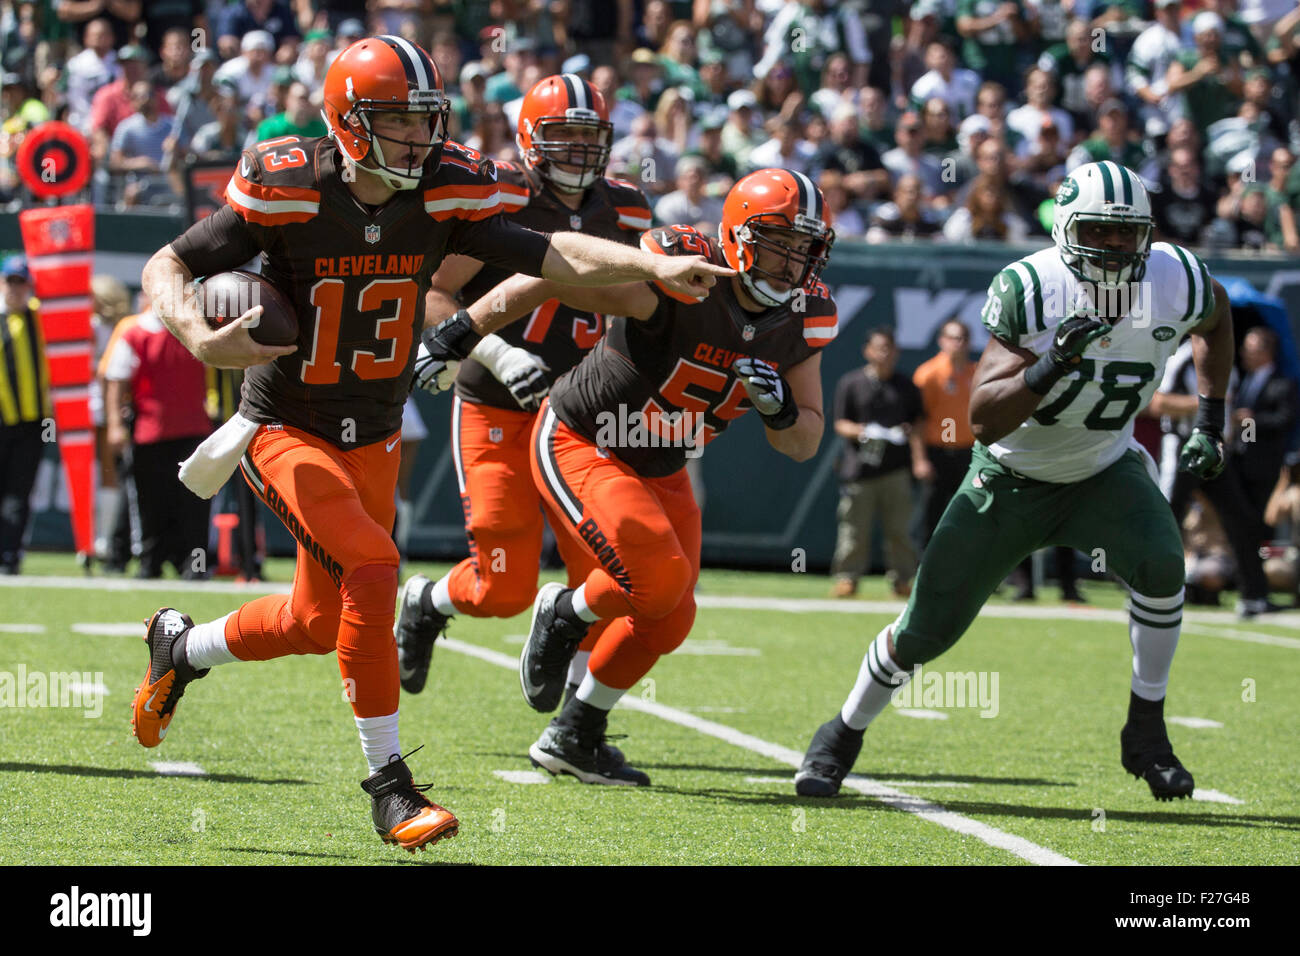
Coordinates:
x,y
653,390
357,275
558,335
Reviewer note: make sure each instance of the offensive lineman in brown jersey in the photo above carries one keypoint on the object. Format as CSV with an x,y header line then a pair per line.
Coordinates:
x,y
351,228
610,444
564,139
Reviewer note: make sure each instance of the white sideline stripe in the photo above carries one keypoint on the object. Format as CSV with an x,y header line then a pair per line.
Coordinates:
x,y
521,776
1249,637
1196,723
178,768
920,713
716,649
1214,796
87,689
22,628
73,583
902,783
125,629
1018,846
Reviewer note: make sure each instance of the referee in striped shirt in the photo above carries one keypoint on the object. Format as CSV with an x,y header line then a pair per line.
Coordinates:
x,y
24,407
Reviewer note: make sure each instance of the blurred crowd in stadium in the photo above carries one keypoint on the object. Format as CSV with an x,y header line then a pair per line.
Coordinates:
x,y
943,119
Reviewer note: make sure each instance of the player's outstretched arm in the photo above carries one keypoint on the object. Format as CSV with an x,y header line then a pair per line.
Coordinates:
x,y
577,259
170,286
1011,381
520,295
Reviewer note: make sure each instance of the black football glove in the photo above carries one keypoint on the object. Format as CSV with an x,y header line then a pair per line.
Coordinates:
x,y
1072,337
1202,453
768,392
441,350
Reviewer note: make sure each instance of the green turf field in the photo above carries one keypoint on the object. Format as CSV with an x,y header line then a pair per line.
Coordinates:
x,y
1038,782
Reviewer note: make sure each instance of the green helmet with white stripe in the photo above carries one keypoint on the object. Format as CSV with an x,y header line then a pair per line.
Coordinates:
x,y
1103,192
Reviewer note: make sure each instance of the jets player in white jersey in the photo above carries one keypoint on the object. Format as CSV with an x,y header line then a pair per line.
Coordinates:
x,y
1080,336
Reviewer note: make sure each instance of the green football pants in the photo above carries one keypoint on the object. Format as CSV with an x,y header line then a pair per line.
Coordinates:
x,y
1117,517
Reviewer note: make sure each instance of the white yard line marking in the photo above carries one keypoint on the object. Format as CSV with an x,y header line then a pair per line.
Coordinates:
x,y
716,649
704,709
1214,796
521,776
96,629
932,812
22,628
920,713
1047,612
1196,723
89,690
178,768
902,783
73,583
1249,637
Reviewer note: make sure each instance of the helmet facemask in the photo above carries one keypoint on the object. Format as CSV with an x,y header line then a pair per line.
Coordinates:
x,y
545,155
359,120
774,235
1107,267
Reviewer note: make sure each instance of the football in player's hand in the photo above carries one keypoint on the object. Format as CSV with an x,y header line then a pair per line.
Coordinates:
x,y
228,295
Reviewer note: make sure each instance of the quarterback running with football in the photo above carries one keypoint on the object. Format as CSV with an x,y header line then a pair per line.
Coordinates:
x,y
564,139
609,447
351,227
1080,335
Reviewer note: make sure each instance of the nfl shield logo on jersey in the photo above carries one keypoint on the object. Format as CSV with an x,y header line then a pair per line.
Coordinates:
x,y
747,333
575,222
372,234
495,434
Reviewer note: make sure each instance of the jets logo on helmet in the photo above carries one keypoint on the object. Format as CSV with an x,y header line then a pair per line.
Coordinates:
x,y
769,211
564,132
1108,193
385,74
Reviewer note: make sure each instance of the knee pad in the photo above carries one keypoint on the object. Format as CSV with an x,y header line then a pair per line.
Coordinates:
x,y
669,582
913,646
313,635
1161,575
370,593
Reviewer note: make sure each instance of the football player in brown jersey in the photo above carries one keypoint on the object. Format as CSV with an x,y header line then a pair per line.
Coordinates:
x,y
564,139
611,441
351,227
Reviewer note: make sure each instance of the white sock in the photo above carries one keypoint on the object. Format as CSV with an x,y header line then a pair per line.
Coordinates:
x,y
580,606
378,739
442,595
1153,627
205,645
602,696
879,679
578,667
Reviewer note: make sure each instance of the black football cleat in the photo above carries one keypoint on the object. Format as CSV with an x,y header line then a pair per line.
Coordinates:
x,y
1145,752
416,629
544,660
830,757
563,749
609,753
401,812
164,682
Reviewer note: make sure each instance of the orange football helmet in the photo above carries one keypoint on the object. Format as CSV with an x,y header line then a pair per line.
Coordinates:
x,y
558,102
384,74
769,210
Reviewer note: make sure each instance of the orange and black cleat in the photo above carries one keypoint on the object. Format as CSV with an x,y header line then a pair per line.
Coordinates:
x,y
164,682
400,810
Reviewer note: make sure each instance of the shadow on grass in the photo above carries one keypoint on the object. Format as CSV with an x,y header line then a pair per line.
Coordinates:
x,y
886,778
406,859
125,773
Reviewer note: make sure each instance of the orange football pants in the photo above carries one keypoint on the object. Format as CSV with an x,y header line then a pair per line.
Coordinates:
x,y
503,512
339,507
639,541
